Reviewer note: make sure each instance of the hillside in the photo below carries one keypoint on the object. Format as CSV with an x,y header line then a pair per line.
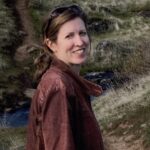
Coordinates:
x,y
120,43
124,115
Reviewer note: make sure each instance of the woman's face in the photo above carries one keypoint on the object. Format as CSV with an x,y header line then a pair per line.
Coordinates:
x,y
72,42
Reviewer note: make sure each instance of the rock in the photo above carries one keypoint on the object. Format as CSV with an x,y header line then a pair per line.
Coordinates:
x,y
129,138
8,109
143,125
29,92
145,13
104,79
100,25
112,52
22,103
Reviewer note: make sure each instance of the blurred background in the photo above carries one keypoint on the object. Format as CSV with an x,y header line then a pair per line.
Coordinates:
x,y
119,61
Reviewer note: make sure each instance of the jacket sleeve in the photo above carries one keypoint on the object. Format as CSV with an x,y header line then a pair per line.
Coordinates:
x,y
56,126
32,137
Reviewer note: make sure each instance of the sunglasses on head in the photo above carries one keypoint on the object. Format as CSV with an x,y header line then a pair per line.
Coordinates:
x,y
59,10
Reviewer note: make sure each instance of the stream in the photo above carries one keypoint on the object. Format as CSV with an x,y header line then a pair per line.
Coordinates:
x,y
19,118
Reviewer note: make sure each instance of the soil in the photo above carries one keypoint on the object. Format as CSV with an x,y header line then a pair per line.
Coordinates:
x,y
27,30
112,142
124,142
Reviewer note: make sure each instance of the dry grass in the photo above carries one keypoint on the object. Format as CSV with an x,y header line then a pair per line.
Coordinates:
x,y
125,111
128,106
12,138
7,36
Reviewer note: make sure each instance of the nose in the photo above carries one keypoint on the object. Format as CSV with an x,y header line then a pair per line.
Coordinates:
x,y
79,41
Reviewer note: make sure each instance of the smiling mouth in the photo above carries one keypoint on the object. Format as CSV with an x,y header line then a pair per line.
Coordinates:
x,y
79,51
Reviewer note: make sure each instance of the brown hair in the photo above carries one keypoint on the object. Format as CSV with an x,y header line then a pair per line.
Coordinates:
x,y
51,26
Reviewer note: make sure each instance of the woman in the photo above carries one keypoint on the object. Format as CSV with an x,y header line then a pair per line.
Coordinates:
x,y
61,117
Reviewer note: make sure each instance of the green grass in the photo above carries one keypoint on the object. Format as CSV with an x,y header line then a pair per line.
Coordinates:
x,y
37,21
136,120
12,138
8,36
122,13
147,136
8,29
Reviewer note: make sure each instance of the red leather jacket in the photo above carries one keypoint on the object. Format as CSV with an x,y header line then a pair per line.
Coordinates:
x,y
61,117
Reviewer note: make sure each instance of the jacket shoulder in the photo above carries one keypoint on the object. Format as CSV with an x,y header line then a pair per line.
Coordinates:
x,y
54,80
52,75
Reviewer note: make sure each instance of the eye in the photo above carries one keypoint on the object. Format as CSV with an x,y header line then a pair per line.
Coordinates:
x,y
83,33
69,36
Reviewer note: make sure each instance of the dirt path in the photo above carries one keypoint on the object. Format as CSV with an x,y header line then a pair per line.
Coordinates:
x,y
113,142
108,104
28,30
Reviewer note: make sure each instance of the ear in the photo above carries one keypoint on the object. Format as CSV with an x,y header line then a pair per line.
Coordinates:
x,y
51,45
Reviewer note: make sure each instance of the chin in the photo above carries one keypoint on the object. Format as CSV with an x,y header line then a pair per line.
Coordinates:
x,y
79,61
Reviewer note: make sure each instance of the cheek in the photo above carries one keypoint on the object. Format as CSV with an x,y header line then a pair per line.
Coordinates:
x,y
87,41
68,45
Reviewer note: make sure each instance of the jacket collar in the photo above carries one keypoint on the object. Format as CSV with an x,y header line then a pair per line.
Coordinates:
x,y
89,87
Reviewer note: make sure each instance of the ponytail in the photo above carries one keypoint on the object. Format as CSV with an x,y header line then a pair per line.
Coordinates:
x,y
42,62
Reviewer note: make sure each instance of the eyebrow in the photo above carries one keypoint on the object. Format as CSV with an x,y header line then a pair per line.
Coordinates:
x,y
78,31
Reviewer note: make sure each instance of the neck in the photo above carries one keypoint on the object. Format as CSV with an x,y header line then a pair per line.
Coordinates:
x,y
75,68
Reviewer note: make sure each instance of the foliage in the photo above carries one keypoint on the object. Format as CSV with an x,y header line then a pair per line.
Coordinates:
x,y
12,138
7,35
136,121
7,29
124,23
125,111
37,21
129,24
